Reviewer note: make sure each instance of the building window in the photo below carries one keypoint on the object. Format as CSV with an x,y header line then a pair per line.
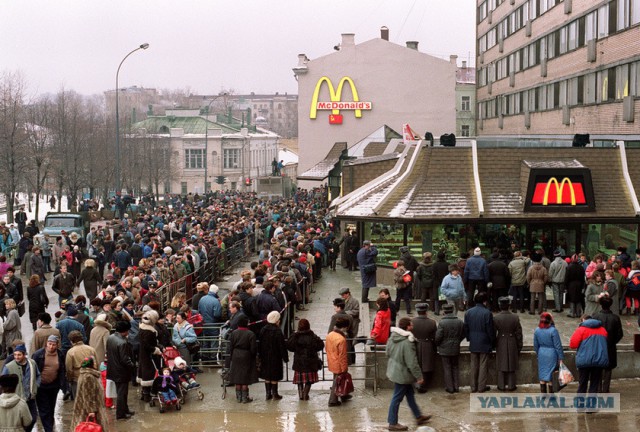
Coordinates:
x,y
464,130
194,159
466,103
603,21
231,158
590,88
590,26
183,188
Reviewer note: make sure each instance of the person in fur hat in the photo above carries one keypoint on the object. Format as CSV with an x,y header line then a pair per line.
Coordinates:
x,y
149,354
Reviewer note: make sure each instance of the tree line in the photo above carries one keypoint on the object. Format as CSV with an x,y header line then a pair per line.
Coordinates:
x,y
64,143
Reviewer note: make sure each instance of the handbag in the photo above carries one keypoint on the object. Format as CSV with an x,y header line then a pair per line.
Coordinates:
x,y
21,308
369,268
89,425
344,384
193,347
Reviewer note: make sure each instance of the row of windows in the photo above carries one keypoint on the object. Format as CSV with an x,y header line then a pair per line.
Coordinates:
x,y
596,87
486,7
529,11
610,18
196,158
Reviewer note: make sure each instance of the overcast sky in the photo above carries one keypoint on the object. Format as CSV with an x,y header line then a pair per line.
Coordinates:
x,y
209,45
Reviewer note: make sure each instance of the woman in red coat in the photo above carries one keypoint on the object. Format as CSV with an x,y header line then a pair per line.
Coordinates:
x,y
381,323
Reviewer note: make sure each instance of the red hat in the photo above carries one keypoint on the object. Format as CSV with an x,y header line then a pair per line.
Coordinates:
x,y
302,259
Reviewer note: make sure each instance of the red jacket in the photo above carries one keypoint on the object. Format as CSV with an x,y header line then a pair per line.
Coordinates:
x,y
381,326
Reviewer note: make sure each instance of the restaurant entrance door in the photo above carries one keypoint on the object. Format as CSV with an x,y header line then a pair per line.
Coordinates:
x,y
551,237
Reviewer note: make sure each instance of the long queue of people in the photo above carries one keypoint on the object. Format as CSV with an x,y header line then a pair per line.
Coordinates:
x,y
119,330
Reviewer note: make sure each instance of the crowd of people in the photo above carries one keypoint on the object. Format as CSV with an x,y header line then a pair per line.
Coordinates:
x,y
119,332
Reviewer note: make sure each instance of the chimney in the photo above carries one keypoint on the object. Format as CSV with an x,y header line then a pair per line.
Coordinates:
x,y
453,59
302,60
412,45
464,64
348,40
384,33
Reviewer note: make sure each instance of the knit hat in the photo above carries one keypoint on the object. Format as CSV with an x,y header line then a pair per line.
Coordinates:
x,y
167,250
273,317
101,317
20,348
477,251
213,288
53,338
72,311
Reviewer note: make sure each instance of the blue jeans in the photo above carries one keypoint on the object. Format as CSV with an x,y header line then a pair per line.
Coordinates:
x,y
399,392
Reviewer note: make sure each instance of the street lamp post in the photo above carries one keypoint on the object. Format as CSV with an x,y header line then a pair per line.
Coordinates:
x,y
144,46
206,142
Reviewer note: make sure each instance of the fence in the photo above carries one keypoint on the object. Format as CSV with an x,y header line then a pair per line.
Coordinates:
x,y
210,272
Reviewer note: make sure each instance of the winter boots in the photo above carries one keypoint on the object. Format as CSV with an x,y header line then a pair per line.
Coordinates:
x,y
245,396
274,391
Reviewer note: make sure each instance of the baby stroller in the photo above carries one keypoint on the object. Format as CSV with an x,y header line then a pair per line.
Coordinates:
x,y
168,357
185,380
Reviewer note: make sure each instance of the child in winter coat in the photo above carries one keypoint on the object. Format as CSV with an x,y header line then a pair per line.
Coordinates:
x,y
166,386
184,374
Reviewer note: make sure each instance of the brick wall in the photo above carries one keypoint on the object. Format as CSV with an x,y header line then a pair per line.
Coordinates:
x,y
601,119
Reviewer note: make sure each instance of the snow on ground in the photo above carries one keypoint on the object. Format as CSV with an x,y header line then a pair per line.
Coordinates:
x,y
44,208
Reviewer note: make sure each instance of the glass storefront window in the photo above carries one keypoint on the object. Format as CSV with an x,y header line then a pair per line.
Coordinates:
x,y
606,238
454,239
387,237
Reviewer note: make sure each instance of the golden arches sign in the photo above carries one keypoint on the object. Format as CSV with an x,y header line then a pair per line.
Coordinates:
x,y
335,96
559,189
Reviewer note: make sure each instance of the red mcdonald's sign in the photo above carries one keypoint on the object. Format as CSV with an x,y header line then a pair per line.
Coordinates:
x,y
563,193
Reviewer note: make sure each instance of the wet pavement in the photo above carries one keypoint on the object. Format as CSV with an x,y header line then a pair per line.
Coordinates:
x,y
367,411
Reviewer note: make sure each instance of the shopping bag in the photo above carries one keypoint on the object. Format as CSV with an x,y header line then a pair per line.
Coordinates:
x,y
344,384
564,375
89,425
110,391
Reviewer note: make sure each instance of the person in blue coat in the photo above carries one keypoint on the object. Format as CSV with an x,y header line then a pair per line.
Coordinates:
x,y
211,310
548,348
476,275
366,258
481,334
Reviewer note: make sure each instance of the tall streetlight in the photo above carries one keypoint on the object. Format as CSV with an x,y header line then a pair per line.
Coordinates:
x,y
206,141
144,46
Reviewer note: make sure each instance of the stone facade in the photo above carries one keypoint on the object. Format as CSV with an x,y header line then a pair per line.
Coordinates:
x,y
402,84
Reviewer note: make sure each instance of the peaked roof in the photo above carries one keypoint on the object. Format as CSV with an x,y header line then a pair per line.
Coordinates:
x,y
321,170
440,186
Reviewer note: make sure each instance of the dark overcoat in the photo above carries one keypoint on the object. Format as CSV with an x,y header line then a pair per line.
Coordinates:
x,y
273,352
243,351
305,346
508,341
575,283
424,330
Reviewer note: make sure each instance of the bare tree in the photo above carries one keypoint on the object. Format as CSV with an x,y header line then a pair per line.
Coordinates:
x,y
71,139
12,135
38,125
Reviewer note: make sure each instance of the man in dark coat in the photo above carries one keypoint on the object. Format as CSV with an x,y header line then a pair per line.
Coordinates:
x,y
613,326
37,265
366,260
21,220
51,381
411,264
448,337
476,275
120,367
351,246
440,270
424,330
481,334
508,345
500,279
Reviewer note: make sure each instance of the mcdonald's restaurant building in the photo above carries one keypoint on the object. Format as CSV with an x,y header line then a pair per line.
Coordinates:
x,y
344,96
454,199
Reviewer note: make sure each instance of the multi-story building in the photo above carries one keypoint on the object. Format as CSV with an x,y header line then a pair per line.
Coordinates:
x,y
465,99
276,112
347,95
550,69
196,141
